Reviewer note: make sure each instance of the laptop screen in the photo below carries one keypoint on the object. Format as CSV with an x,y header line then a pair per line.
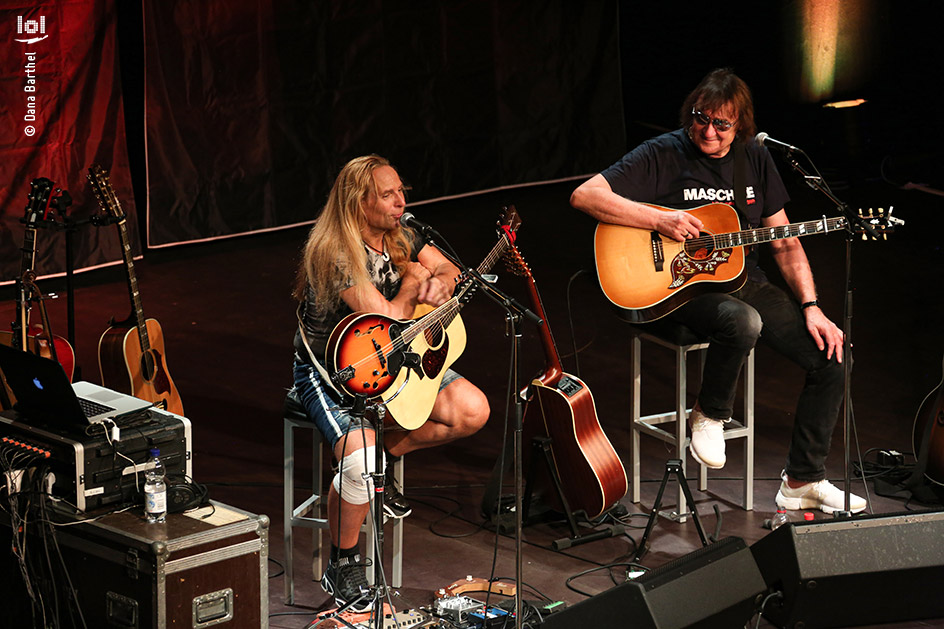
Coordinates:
x,y
42,390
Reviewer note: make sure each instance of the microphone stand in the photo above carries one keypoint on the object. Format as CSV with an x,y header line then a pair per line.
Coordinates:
x,y
514,312
854,222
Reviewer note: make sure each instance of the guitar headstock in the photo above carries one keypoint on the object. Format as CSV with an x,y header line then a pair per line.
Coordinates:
x,y
880,223
508,223
516,264
101,186
39,196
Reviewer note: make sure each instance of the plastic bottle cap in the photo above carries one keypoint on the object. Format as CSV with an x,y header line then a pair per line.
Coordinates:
x,y
808,516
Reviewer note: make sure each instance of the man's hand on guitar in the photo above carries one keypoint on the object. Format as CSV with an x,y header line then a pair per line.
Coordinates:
x,y
678,225
827,334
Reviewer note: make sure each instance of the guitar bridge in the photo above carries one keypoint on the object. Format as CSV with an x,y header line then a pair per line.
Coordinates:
x,y
658,254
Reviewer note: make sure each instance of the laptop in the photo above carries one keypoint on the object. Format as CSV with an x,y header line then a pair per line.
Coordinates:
x,y
45,396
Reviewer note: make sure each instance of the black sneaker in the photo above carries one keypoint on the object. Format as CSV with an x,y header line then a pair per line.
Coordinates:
x,y
347,581
395,505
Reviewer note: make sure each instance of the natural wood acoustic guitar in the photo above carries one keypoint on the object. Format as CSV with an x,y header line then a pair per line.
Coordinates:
x,y
650,275
131,352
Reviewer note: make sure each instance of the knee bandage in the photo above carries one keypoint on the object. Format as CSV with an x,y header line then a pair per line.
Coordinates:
x,y
355,487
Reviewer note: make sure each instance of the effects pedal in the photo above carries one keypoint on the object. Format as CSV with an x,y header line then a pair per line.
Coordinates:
x,y
411,618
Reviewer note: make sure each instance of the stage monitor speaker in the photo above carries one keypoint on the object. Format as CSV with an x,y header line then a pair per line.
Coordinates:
x,y
715,587
858,571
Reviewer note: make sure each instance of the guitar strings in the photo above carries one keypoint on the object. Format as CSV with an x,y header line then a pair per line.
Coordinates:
x,y
781,231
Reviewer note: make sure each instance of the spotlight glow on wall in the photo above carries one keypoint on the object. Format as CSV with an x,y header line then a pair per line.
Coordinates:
x,y
837,43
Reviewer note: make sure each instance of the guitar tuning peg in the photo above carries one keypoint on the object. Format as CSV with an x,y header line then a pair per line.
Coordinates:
x,y
881,211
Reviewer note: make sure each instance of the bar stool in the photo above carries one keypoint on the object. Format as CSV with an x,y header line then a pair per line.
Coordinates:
x,y
311,512
682,341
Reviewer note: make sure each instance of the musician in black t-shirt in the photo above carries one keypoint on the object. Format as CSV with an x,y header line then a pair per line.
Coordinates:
x,y
691,167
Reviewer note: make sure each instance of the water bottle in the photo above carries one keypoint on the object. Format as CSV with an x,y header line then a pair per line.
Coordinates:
x,y
155,489
779,519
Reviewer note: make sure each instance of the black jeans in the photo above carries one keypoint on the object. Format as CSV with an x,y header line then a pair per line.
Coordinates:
x,y
733,323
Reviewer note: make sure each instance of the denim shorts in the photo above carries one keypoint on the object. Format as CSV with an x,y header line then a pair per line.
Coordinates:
x,y
322,403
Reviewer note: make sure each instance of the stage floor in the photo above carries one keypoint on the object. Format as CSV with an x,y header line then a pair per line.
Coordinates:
x,y
228,320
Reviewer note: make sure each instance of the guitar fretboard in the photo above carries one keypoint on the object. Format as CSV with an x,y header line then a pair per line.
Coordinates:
x,y
767,234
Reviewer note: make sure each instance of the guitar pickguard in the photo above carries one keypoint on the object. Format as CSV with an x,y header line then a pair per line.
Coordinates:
x,y
435,359
684,267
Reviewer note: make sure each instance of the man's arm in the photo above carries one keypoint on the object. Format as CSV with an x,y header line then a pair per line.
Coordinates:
x,y
429,281
596,198
438,288
795,268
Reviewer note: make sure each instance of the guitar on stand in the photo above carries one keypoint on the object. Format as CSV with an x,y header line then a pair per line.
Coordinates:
x,y
131,352
370,354
31,337
560,420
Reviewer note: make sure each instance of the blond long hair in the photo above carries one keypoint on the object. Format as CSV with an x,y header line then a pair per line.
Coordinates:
x,y
335,250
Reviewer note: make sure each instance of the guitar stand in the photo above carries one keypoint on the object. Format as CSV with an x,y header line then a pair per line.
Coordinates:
x,y
672,466
541,448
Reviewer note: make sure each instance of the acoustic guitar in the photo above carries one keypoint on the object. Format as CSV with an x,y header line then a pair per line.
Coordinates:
x,y
370,354
32,337
131,352
929,422
562,407
650,275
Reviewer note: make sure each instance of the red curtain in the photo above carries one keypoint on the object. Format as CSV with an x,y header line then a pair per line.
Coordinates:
x,y
60,112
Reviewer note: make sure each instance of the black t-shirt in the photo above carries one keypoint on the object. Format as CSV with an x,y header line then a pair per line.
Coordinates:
x,y
319,320
669,170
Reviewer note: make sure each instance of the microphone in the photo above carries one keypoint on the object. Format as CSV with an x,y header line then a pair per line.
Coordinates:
x,y
763,139
408,220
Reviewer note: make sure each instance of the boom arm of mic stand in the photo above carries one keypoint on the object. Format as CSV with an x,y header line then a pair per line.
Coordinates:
x,y
816,183
450,254
503,299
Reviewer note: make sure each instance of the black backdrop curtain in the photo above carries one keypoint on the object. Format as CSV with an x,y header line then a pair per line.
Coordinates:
x,y
253,106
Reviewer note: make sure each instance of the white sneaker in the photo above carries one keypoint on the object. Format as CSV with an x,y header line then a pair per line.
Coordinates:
x,y
707,444
821,495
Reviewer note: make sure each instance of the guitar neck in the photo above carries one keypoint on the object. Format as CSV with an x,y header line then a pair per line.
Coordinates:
x,y
768,234
137,310
29,250
552,361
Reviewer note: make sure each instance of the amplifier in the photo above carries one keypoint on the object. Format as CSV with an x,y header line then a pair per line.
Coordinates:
x,y
90,471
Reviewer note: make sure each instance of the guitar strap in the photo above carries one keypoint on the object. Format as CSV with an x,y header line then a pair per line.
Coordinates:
x,y
740,180
314,361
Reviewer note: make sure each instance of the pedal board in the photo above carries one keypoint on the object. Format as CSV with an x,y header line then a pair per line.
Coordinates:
x,y
467,613
411,618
